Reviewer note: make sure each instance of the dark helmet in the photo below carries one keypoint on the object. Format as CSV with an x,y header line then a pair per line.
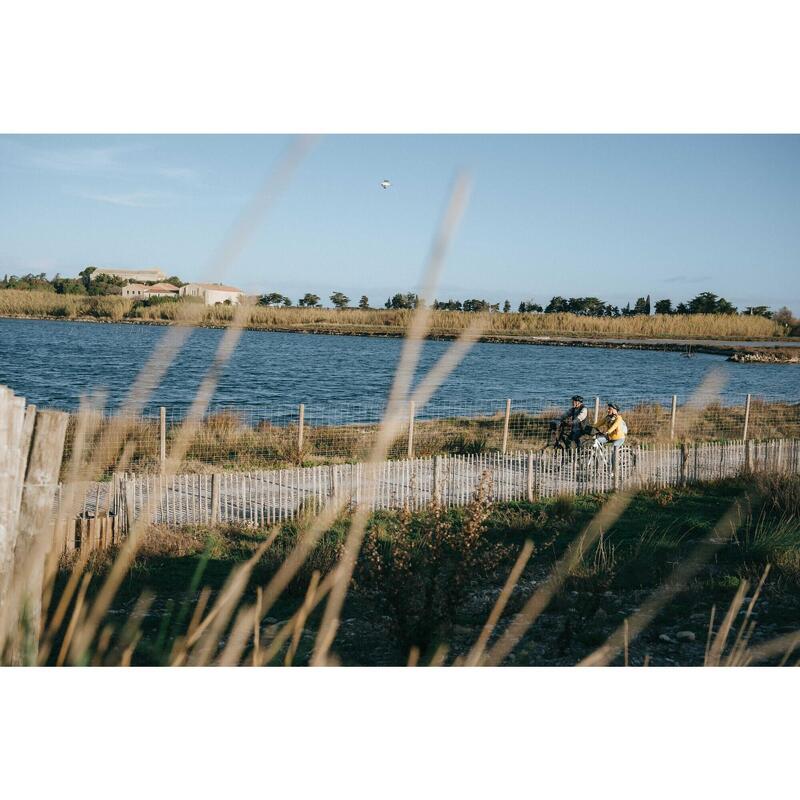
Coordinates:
x,y
614,406
576,398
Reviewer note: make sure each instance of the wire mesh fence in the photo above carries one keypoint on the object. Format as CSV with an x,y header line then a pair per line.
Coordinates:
x,y
289,434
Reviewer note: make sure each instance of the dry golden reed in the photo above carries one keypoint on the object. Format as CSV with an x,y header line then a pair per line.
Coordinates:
x,y
385,322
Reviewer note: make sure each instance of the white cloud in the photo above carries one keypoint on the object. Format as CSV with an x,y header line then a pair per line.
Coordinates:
x,y
131,199
108,160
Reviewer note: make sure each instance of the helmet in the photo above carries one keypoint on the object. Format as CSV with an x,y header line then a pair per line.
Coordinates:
x,y
614,406
577,398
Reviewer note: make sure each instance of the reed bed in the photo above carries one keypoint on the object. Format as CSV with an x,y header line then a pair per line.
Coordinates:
x,y
379,322
19,303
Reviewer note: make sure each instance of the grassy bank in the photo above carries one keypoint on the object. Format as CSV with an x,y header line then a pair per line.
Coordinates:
x,y
430,580
230,441
16,303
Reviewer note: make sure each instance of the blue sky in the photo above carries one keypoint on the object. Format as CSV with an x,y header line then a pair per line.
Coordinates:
x,y
611,216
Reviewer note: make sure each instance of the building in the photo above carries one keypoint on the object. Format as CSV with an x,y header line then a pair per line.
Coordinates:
x,y
140,290
138,275
213,293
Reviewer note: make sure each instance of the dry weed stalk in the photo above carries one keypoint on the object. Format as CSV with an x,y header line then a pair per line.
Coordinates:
x,y
393,418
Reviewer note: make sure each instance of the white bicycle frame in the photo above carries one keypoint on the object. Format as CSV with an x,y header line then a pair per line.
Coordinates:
x,y
599,451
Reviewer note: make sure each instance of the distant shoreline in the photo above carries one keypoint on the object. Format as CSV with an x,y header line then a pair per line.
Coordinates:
x,y
720,346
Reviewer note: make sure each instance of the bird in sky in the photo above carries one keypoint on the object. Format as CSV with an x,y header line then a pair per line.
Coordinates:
x,y
385,184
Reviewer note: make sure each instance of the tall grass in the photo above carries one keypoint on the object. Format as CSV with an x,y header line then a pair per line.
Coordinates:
x,y
394,322
227,440
19,303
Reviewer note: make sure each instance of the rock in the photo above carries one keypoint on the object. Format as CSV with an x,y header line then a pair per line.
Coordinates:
x,y
776,355
664,638
685,636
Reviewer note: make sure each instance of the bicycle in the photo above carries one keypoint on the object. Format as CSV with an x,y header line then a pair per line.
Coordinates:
x,y
594,458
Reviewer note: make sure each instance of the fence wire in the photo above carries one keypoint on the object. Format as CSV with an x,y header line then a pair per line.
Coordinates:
x,y
236,438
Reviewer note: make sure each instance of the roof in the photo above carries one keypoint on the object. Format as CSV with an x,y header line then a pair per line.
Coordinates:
x,y
219,287
140,286
162,287
157,274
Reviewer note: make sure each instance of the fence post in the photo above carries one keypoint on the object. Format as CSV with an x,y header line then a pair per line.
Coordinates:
x,y
672,417
332,480
411,429
215,481
684,462
436,481
163,434
302,416
130,506
746,418
530,476
505,425
596,410
36,530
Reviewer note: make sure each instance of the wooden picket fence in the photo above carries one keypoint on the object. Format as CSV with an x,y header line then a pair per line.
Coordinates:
x,y
266,497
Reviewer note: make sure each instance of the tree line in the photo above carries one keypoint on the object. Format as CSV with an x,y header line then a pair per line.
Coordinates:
x,y
703,303
83,284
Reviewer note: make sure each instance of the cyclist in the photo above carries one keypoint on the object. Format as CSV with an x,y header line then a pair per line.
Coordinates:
x,y
575,418
613,430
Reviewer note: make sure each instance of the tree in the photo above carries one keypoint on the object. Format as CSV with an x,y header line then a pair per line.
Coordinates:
x,y
784,316
86,275
409,300
363,302
506,307
309,300
709,303
105,284
758,311
30,282
556,304
174,280
724,307
586,306
682,309
647,306
287,301
640,306
68,285
663,306
447,305
271,299
528,306
340,300
479,305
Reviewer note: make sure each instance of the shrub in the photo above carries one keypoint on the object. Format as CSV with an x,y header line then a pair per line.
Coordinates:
x,y
422,571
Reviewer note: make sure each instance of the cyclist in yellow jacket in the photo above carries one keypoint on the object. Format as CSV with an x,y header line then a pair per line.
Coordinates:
x,y
613,429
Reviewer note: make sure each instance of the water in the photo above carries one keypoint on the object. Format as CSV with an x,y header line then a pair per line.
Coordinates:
x,y
346,377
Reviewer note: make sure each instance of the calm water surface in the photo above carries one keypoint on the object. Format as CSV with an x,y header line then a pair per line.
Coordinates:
x,y
54,363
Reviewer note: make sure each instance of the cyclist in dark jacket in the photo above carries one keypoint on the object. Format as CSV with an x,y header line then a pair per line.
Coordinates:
x,y
575,418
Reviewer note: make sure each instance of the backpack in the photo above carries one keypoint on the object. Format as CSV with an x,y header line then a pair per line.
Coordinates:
x,y
623,427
